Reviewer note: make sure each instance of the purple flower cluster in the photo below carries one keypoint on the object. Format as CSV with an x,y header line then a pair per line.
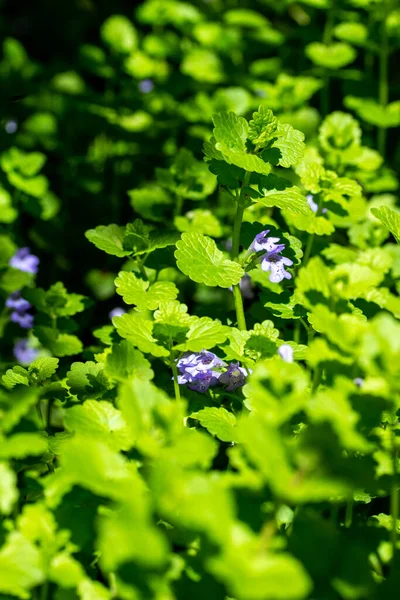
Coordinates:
x,y
199,371
272,260
23,353
19,307
23,260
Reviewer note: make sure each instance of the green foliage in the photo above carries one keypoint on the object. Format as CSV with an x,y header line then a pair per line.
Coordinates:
x,y
198,257
179,416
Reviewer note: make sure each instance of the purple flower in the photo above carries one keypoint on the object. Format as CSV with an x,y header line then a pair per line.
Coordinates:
x,y
24,261
286,353
146,86
116,312
203,380
358,381
275,263
23,353
234,377
24,320
313,205
16,302
193,363
11,126
263,242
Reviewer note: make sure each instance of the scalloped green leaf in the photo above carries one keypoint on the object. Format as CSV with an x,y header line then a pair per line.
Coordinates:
x,y
390,218
334,56
139,292
204,333
218,421
290,199
138,331
108,238
199,258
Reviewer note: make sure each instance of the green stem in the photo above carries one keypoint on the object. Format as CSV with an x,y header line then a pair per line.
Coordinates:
x,y
176,384
308,249
237,226
142,269
394,496
237,296
316,379
383,81
349,513
327,38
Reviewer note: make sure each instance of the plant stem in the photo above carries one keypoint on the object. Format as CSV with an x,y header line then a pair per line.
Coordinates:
x,y
383,81
327,38
349,513
394,496
237,225
176,384
308,249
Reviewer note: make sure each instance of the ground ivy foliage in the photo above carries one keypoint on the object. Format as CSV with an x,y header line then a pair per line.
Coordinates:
x,y
200,379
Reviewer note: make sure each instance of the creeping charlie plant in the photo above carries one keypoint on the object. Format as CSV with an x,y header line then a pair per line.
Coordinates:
x,y
203,402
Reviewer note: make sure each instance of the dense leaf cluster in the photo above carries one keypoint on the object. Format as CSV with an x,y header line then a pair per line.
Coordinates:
x,y
199,303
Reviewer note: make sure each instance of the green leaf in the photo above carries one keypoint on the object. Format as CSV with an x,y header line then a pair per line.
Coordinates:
x,y
374,113
56,301
16,404
119,34
140,292
203,65
138,330
218,421
124,362
21,445
198,257
43,368
355,33
262,126
229,141
100,420
108,238
8,490
21,566
15,376
334,56
290,143
171,321
390,218
290,199
203,333
202,221
87,378
60,344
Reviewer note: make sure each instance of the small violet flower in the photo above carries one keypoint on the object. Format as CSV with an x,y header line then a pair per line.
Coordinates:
x,y
268,244
146,86
197,370
193,363
116,312
234,377
276,264
23,353
313,205
16,302
286,353
358,381
24,320
203,380
19,314
24,261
